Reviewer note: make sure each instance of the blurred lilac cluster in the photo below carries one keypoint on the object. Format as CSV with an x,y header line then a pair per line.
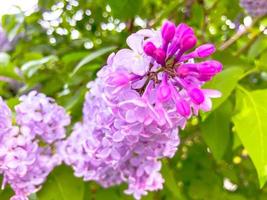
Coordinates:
x,y
135,107
5,43
255,7
28,149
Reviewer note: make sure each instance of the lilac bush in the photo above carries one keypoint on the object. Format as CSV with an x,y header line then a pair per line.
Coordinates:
x,y
5,118
134,109
28,149
42,116
255,7
5,43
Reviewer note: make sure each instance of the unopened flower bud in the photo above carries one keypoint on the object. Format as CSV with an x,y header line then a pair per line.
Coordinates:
x,y
208,69
205,50
196,95
174,46
183,29
188,42
168,31
212,65
185,69
183,108
159,55
164,90
149,48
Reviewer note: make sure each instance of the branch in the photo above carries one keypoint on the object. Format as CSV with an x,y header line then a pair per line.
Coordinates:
x,y
238,34
248,45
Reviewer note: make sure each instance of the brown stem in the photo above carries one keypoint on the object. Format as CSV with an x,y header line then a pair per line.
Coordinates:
x,y
130,25
238,34
248,45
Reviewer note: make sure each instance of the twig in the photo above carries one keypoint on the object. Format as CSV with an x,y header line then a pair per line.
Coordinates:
x,y
248,45
130,25
238,34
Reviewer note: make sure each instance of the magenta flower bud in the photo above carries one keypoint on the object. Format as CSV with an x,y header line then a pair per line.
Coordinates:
x,y
207,70
164,90
205,50
183,29
183,108
210,67
185,69
149,48
197,96
202,77
159,55
174,46
188,42
217,65
168,31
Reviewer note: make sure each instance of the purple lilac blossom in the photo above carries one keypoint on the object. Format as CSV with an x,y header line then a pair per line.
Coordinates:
x,y
135,107
5,118
42,116
254,7
27,155
5,44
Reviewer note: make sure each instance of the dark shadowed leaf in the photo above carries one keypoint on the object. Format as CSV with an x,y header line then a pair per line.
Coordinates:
x,y
216,129
62,185
170,181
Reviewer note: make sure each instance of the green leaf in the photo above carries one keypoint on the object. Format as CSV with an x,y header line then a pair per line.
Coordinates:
x,y
7,69
236,142
198,14
171,7
216,129
262,62
125,9
104,193
74,56
12,102
31,67
12,25
170,181
258,47
225,82
231,60
62,185
91,57
251,127
6,194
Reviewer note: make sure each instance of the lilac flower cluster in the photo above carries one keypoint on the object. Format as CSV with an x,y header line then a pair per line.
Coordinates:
x,y
254,7
135,107
5,44
28,150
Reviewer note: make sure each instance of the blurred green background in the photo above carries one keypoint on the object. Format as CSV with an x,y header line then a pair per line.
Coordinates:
x,y
58,46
